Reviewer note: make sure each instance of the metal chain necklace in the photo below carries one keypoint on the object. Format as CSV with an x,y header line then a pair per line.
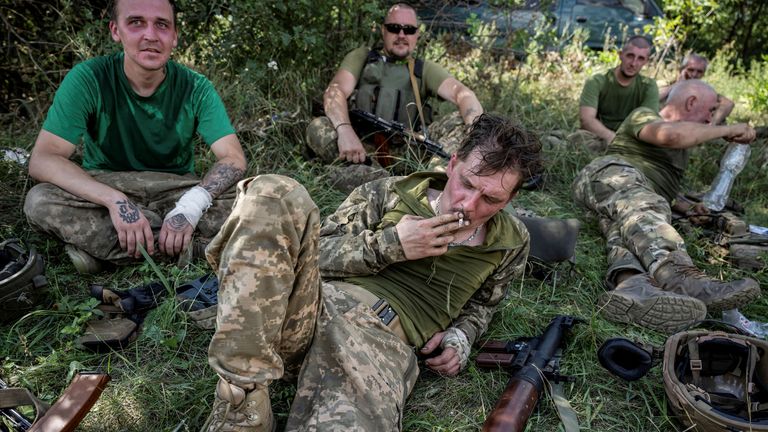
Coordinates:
x,y
466,240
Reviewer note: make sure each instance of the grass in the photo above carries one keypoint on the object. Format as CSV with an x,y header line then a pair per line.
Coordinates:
x,y
163,382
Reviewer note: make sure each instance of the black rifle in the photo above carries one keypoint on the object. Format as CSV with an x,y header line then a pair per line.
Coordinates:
x,y
378,124
528,359
12,417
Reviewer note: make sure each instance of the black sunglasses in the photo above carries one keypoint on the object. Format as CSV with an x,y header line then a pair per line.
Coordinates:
x,y
395,28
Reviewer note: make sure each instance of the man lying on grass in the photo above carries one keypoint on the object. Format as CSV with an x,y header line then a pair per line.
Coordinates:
x,y
653,280
409,265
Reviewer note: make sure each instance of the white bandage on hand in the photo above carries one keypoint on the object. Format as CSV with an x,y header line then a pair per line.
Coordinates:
x,y
456,339
192,205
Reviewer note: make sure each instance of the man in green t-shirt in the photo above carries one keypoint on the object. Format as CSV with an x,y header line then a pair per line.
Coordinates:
x,y
409,265
631,191
379,82
135,115
608,97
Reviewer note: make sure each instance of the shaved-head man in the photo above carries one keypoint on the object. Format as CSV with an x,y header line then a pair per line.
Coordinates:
x,y
694,66
608,97
386,80
653,280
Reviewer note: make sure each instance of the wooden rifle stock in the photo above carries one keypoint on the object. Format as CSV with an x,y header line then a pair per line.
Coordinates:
x,y
513,408
531,360
70,409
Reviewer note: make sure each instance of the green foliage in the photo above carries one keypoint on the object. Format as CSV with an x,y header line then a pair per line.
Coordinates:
x,y
706,25
163,380
758,96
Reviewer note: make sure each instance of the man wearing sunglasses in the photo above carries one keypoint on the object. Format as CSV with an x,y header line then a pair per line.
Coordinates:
x,y
134,114
379,81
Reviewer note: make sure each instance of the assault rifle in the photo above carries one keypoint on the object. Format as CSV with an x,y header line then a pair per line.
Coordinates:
x,y
379,125
64,416
530,360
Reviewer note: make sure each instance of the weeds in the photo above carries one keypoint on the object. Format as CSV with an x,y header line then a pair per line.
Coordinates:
x,y
163,380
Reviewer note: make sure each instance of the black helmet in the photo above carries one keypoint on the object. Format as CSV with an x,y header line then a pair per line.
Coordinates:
x,y
22,280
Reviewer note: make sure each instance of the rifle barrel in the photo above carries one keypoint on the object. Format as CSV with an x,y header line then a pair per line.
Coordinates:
x,y
516,404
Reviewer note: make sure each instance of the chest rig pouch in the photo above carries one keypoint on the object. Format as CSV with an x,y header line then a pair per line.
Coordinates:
x,y
385,90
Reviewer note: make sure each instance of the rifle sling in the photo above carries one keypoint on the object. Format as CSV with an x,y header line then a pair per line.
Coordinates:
x,y
564,410
417,96
16,397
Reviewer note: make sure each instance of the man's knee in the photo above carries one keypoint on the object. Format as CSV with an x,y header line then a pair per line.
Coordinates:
x,y
322,139
294,197
39,202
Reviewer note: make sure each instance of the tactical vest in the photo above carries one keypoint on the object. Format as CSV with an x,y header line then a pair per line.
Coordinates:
x,y
385,89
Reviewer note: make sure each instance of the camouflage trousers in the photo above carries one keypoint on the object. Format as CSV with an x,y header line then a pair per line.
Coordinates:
x,y
634,219
88,226
590,141
276,318
321,137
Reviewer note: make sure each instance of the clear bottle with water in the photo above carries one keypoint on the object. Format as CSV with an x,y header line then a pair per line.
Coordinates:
x,y
734,160
754,328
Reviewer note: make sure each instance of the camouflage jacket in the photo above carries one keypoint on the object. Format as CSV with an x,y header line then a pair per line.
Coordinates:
x,y
351,245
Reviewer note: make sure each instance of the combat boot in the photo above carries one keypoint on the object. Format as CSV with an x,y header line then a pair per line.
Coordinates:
x,y
636,300
678,274
238,410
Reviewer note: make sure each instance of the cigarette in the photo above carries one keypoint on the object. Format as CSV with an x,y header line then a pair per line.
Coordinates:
x,y
461,220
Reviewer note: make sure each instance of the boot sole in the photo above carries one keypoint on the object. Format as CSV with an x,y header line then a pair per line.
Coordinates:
x,y
664,314
736,299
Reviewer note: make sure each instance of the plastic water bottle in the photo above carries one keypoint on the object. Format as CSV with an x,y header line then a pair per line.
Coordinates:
x,y
754,328
733,162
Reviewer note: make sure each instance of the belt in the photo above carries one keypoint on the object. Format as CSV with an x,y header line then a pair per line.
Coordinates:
x,y
380,307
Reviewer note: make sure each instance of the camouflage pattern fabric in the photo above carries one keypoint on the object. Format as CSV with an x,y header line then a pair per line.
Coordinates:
x,y
590,141
275,317
355,241
88,226
321,138
634,218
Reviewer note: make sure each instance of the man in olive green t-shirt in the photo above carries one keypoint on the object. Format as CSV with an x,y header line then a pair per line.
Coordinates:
x,y
631,190
380,82
607,98
135,114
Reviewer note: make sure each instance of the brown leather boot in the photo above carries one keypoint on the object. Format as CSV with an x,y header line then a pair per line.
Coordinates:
x,y
678,274
636,300
238,410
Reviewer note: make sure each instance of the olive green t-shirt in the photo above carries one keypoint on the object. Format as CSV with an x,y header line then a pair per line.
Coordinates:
x,y
664,167
429,293
433,74
122,131
613,101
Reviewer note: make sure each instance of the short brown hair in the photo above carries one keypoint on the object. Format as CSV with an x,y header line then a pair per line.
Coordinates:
x,y
502,145
113,10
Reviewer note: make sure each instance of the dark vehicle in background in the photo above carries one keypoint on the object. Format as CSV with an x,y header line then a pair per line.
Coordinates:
x,y
600,18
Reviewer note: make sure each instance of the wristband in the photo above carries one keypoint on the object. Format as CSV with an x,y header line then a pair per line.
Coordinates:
x,y
456,339
192,205
340,125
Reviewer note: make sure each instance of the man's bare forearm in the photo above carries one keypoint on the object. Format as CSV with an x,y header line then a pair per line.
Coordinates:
x,y
221,177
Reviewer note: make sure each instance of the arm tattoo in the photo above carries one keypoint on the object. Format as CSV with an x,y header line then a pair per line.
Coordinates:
x,y
220,178
178,222
128,211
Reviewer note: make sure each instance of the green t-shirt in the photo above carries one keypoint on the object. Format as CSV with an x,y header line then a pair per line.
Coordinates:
x,y
664,167
613,101
433,74
429,293
122,131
